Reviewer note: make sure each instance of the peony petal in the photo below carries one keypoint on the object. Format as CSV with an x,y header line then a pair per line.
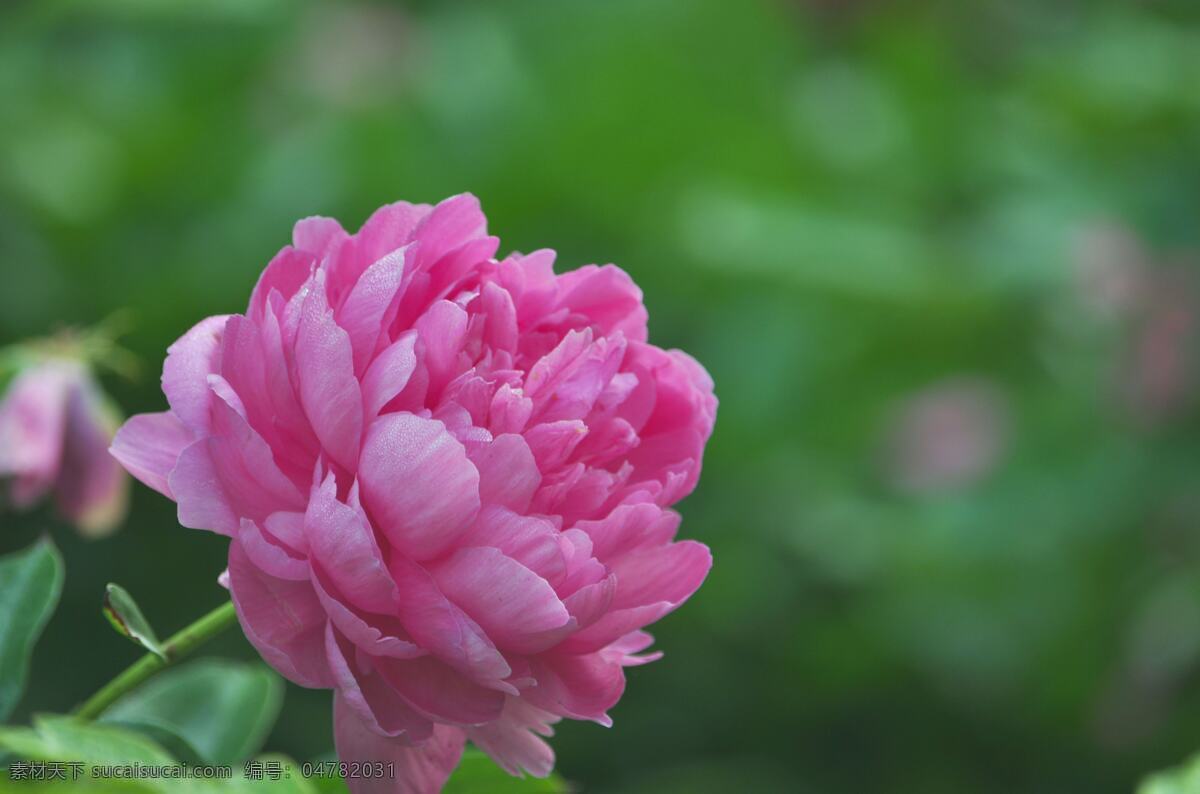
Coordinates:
x,y
316,235
451,224
388,374
390,227
268,555
282,619
443,628
442,329
510,410
534,542
285,274
229,475
342,544
613,626
190,360
376,635
500,331
420,769
588,604
628,527
668,573
436,690
372,699
361,316
418,484
148,445
329,391
518,609
508,474
511,740
607,297
552,443
580,687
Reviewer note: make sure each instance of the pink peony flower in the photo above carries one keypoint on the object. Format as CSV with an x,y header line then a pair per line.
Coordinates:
x,y
55,428
446,479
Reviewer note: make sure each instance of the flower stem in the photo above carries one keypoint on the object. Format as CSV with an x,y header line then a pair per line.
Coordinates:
x,y
175,648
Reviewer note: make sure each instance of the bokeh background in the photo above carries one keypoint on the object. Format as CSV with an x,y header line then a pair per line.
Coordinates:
x,y
940,258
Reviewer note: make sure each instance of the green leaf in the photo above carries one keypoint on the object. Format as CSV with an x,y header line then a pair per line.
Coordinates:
x,y
476,772
223,710
68,739
1183,779
54,738
30,584
127,618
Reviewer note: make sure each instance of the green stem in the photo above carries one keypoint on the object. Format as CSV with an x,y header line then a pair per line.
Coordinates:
x,y
177,647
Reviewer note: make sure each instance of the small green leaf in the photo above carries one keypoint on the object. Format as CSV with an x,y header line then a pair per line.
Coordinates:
x,y
224,710
30,584
127,618
476,772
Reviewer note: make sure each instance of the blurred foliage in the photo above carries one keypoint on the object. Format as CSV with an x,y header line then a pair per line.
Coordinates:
x,y
846,209
31,582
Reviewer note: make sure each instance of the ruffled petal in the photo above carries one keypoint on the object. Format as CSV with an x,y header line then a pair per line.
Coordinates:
x,y
420,769
282,619
372,699
440,692
518,609
342,544
514,741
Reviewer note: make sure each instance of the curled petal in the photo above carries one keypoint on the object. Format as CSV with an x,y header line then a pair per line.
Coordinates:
x,y
329,391
361,315
190,360
148,445
580,687
388,374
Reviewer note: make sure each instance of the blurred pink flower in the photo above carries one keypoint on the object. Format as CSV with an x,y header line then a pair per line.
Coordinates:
x,y
446,478
946,436
55,428
1159,376
1157,303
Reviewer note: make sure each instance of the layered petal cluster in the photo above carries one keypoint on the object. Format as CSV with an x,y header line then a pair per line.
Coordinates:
x,y
446,478
55,429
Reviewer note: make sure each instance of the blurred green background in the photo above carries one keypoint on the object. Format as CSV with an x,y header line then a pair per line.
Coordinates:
x,y
938,256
